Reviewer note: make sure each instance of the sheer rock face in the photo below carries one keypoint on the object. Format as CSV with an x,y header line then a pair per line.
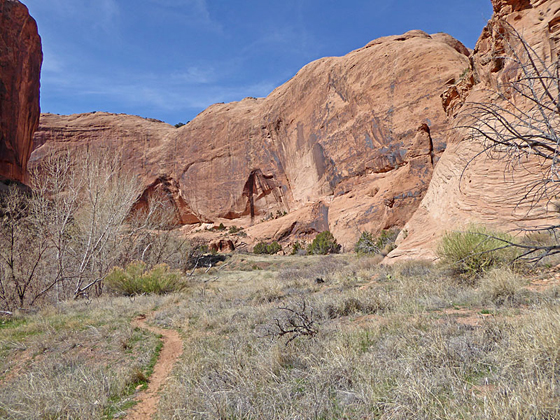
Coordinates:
x,y
358,134
486,191
20,70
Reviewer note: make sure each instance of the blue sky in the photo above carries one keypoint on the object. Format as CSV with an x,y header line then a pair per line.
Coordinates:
x,y
170,59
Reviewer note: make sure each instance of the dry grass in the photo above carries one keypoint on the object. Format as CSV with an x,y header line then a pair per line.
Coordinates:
x,y
407,342
79,360
393,343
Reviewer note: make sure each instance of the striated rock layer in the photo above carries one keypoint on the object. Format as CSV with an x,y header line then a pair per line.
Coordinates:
x,y
20,70
350,142
486,191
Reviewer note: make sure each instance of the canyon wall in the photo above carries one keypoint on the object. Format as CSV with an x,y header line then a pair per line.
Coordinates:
x,y
355,136
20,70
470,187
367,141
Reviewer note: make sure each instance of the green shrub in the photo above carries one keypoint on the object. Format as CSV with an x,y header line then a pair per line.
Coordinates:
x,y
135,279
475,251
234,229
260,248
265,248
324,243
383,244
274,248
366,244
298,248
386,240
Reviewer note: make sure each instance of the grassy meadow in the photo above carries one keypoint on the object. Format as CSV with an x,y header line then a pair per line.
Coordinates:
x,y
299,337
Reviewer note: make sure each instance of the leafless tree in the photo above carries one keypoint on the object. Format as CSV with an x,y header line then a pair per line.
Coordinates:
x,y
152,239
24,246
61,238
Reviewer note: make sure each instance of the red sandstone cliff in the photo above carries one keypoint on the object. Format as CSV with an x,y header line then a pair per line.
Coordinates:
x,y
20,68
347,144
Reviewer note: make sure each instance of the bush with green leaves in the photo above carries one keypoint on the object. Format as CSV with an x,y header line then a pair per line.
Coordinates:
x,y
266,248
137,279
298,248
383,244
234,229
475,251
366,244
323,244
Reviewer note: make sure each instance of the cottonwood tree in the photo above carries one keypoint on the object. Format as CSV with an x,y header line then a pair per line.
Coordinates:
x,y
152,238
24,248
60,239
523,122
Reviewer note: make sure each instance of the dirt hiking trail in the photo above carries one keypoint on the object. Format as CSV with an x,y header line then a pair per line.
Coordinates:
x,y
171,351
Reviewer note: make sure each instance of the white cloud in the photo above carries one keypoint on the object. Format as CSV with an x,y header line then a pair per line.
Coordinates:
x,y
51,62
195,75
109,10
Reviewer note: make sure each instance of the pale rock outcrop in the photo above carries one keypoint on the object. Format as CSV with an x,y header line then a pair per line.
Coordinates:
x,y
484,191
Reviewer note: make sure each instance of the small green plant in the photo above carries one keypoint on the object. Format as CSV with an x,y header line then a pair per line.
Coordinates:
x,y
323,244
280,214
136,279
475,251
366,244
234,229
383,244
298,248
266,248
221,227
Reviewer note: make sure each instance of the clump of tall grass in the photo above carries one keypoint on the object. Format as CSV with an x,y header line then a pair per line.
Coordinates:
x,y
136,279
501,286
